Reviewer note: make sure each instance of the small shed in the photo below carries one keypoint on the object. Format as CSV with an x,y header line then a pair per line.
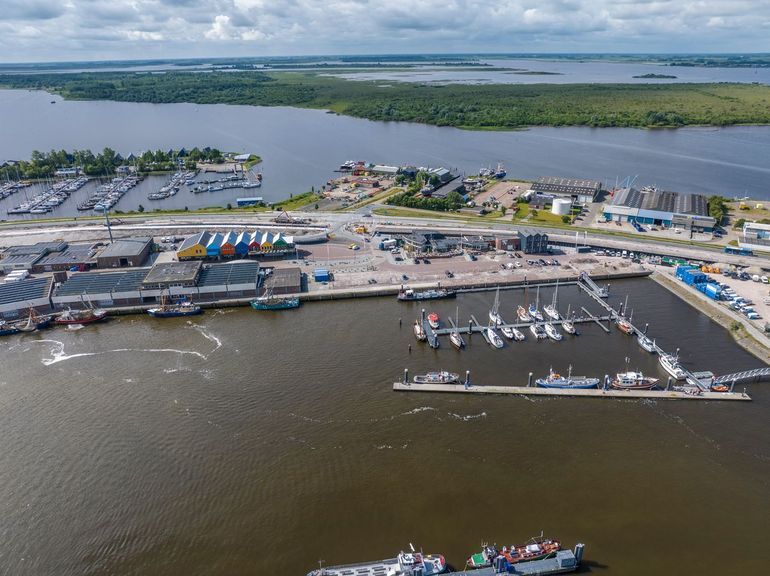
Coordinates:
x,y
255,242
242,244
321,275
227,248
215,243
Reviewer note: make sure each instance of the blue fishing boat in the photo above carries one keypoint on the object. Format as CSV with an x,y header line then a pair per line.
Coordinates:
x,y
7,329
554,380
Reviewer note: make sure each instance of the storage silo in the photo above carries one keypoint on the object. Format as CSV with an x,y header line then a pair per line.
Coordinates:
x,y
561,206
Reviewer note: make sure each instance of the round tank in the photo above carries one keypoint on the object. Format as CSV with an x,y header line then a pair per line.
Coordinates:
x,y
561,206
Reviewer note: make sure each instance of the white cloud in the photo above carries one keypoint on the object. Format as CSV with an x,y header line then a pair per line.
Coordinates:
x,y
95,29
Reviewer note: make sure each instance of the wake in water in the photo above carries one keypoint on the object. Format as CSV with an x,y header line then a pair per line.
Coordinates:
x,y
59,355
207,335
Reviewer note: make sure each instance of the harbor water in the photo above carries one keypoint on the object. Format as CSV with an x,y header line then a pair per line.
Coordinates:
x,y
302,148
258,443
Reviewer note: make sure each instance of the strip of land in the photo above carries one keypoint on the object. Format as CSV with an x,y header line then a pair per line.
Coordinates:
x,y
494,106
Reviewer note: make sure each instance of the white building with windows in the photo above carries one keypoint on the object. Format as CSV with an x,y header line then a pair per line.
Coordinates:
x,y
755,236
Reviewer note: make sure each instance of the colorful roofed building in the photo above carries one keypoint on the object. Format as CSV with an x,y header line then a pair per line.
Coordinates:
x,y
215,242
194,246
227,248
242,244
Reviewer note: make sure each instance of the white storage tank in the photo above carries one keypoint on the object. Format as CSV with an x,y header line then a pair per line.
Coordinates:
x,y
561,206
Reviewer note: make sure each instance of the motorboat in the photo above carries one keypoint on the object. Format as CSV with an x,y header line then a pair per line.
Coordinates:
x,y
518,335
671,365
633,381
647,344
442,377
433,320
554,380
537,331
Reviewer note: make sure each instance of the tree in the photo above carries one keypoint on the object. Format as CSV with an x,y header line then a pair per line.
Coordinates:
x,y
534,213
229,206
566,219
503,210
141,208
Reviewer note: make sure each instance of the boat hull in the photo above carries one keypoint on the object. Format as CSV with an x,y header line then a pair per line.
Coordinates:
x,y
285,304
429,295
155,313
587,384
87,320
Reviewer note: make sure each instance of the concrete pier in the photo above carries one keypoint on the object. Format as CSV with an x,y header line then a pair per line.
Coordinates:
x,y
585,393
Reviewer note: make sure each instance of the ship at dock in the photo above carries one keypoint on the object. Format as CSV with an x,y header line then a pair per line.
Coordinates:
x,y
405,564
408,295
442,377
87,316
536,549
174,310
554,380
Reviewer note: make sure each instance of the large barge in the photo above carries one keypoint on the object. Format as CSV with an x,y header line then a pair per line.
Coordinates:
x,y
408,295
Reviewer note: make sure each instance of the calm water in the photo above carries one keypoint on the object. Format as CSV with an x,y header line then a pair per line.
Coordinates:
x,y
301,148
240,443
568,72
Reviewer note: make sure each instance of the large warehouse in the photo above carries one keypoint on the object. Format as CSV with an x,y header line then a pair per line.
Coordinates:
x,y
660,208
579,191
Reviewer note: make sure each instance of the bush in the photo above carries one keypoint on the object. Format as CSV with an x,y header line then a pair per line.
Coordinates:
x,y
566,219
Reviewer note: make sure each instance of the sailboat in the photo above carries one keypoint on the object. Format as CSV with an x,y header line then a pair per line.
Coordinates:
x,y
454,336
551,309
492,337
552,332
534,309
34,322
623,324
568,324
270,302
183,307
494,315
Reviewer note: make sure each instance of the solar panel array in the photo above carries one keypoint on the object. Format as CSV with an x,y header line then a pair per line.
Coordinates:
x,y
102,282
21,290
230,273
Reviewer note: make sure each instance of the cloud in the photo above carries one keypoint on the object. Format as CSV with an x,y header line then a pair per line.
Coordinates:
x,y
95,29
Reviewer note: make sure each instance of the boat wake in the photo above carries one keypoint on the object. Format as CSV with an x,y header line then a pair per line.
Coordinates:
x,y
207,335
468,417
58,354
418,410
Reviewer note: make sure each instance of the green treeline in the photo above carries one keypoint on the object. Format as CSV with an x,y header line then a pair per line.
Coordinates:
x,y
494,106
104,163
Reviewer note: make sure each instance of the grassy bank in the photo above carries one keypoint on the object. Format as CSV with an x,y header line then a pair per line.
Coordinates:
x,y
495,106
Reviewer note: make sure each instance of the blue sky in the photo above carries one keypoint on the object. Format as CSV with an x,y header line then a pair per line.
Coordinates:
x,y
54,30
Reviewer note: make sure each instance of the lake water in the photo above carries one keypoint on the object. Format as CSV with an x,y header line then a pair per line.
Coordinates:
x,y
302,148
525,71
245,443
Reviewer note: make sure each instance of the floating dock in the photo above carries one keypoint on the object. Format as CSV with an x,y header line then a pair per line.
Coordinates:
x,y
585,393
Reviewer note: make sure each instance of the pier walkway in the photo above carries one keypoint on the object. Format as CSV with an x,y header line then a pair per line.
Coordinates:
x,y
757,375
586,393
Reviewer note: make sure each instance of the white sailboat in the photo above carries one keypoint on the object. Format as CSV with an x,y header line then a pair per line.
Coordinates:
x,y
551,309
552,332
494,314
534,309
492,338
454,336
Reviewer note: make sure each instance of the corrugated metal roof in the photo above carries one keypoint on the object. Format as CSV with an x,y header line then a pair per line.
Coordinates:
x,y
661,201
126,247
200,238
22,290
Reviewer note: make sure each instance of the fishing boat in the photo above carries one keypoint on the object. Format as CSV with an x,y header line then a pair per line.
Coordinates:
x,y
268,301
405,564
442,377
34,322
494,314
633,381
554,380
454,336
433,320
419,332
518,335
87,316
182,308
552,332
551,309
537,331
671,365
523,315
647,344
6,328
500,172
536,549
492,338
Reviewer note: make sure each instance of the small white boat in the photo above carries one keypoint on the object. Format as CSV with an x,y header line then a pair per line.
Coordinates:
x,y
494,315
507,332
518,335
552,332
442,377
551,312
647,344
671,365
523,315
569,327
633,381
419,333
537,331
456,340
492,338
535,313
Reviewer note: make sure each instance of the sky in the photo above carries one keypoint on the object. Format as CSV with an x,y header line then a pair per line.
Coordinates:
x,y
61,30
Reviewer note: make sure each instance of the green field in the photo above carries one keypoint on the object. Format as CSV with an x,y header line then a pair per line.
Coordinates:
x,y
494,106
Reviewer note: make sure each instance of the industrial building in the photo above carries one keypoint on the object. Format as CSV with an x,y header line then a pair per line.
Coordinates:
x,y
532,242
25,256
660,208
755,236
579,191
16,298
78,257
125,252
528,241
137,286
